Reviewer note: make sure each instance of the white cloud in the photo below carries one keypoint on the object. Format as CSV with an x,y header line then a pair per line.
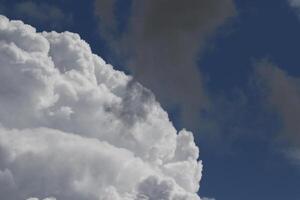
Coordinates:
x,y
73,128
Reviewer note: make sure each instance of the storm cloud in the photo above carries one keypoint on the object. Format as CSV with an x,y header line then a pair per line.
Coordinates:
x,y
162,44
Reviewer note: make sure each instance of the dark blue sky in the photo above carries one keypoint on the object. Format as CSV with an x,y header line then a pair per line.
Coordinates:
x,y
238,137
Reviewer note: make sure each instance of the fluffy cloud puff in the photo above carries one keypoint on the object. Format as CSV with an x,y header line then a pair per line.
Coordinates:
x,y
73,128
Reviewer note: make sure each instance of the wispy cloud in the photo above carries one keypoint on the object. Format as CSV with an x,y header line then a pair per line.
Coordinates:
x,y
295,4
281,93
205,198
162,44
39,13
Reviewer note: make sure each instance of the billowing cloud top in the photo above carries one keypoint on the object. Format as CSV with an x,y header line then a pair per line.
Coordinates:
x,y
73,128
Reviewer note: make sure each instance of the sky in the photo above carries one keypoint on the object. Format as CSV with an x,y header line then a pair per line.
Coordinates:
x,y
227,70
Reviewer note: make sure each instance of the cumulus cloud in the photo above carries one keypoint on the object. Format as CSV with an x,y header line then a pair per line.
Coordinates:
x,y
161,43
73,128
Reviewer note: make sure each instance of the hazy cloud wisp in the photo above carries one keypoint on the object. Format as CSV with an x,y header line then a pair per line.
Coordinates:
x,y
281,92
39,13
162,43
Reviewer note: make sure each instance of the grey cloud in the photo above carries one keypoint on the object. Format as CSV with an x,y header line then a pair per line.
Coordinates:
x,y
282,93
295,5
153,189
106,9
162,44
48,198
294,155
